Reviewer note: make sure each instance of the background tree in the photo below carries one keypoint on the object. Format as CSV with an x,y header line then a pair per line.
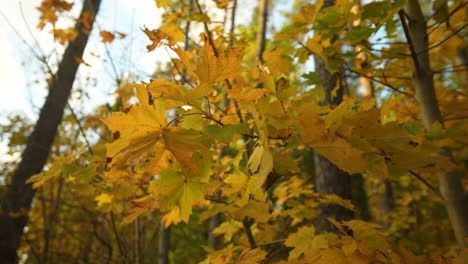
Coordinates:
x,y
19,196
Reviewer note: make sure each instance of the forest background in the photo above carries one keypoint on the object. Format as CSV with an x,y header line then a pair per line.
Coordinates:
x,y
226,131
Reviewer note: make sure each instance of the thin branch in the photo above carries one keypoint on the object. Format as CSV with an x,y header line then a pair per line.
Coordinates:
x,y
414,55
269,137
272,242
456,68
460,6
215,52
182,74
106,48
207,30
455,118
88,145
117,238
247,223
444,40
378,81
428,185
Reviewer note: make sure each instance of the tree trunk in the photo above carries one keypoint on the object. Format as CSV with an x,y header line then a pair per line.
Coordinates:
x,y
450,184
164,243
261,33
386,198
20,195
214,242
329,179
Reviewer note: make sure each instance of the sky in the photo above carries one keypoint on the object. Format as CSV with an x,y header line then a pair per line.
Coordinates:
x,y
22,84
23,87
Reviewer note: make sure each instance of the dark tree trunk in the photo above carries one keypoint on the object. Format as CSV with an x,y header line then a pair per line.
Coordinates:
x,y
329,179
20,195
164,243
261,33
214,241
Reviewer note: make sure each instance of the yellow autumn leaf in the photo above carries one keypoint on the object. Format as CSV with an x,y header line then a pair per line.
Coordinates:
x,y
162,3
65,35
228,229
298,241
261,160
103,199
250,256
183,143
172,218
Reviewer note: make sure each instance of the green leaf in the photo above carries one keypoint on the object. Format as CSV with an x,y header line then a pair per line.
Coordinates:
x,y
179,190
312,78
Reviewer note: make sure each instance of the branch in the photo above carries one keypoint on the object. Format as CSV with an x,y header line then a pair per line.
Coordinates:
x,y
428,185
272,242
247,223
117,237
444,40
88,145
253,136
414,55
460,6
378,81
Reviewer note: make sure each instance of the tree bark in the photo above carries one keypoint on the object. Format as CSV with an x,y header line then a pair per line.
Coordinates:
x,y
164,243
214,242
329,179
261,33
450,184
17,201
386,198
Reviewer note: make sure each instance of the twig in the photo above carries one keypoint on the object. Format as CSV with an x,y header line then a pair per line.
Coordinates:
x,y
378,81
247,223
88,145
272,242
428,185
182,74
455,118
414,55
269,137
444,40
117,237
447,17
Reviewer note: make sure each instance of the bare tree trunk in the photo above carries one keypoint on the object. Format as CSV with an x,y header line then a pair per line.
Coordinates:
x,y
450,184
20,195
164,243
261,33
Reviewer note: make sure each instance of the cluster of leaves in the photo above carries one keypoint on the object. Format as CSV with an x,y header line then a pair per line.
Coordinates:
x,y
223,137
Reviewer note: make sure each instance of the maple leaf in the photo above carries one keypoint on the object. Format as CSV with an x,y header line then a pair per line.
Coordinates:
x,y
179,190
228,229
222,3
299,240
183,143
172,218
64,35
162,3
103,199
107,37
250,256
261,160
